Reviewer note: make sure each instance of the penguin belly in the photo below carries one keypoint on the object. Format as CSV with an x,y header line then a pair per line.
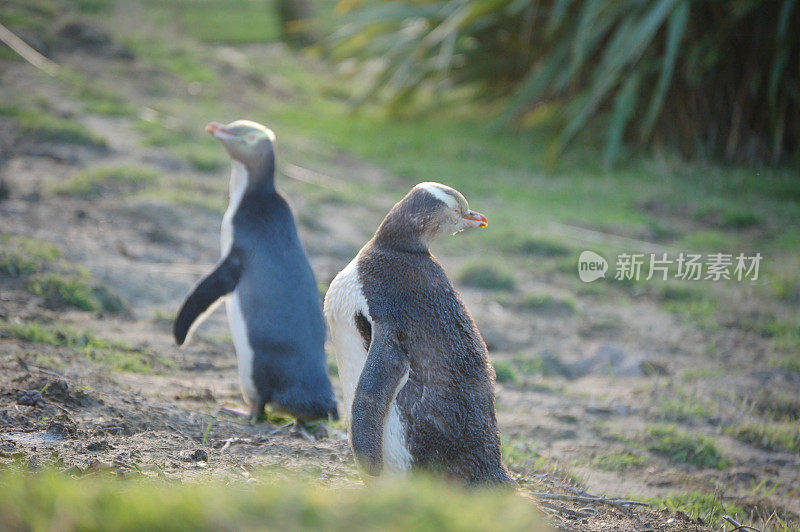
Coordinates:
x,y
236,320
344,300
244,351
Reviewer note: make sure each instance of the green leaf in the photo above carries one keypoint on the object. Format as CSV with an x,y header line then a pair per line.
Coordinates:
x,y
624,107
677,26
782,54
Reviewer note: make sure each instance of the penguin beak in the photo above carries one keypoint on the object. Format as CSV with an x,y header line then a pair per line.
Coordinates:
x,y
475,219
220,131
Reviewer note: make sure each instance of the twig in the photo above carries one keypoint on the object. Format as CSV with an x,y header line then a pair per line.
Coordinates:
x,y
568,511
311,177
235,439
589,498
27,53
600,237
737,525
280,428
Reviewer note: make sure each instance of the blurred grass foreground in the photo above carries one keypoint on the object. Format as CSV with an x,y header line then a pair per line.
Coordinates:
x,y
51,501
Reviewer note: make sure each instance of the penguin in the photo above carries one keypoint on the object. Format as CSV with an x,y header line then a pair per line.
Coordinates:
x,y
417,384
271,294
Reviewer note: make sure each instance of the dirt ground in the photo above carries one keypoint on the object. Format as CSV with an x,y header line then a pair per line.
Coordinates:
x,y
57,407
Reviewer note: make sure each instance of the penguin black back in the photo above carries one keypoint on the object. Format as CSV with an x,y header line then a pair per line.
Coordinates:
x,y
433,363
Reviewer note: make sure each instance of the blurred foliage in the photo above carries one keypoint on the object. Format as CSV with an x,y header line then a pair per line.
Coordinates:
x,y
708,78
52,501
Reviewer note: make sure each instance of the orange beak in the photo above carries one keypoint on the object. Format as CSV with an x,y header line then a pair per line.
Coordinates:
x,y
476,219
219,131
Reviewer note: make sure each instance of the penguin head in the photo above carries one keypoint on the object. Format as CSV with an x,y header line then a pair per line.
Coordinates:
x,y
247,142
429,211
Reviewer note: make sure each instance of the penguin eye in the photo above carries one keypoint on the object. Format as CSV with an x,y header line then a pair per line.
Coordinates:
x,y
251,138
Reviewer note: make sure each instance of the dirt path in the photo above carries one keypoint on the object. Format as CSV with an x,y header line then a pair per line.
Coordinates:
x,y
612,362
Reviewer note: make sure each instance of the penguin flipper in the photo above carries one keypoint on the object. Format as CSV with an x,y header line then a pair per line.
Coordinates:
x,y
222,280
383,371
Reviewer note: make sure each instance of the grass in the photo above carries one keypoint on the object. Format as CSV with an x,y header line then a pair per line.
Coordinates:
x,y
189,194
790,363
521,455
544,304
701,313
60,284
204,158
702,505
180,61
617,461
112,354
213,21
785,334
74,290
486,276
540,365
97,98
103,180
47,127
59,291
48,500
530,245
681,447
20,256
681,408
505,372
780,437
156,134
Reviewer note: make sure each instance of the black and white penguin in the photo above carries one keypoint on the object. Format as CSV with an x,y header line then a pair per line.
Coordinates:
x,y
273,303
416,378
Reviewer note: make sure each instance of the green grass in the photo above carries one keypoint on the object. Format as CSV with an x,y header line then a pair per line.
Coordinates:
x,y
207,160
47,127
521,455
61,284
696,374
701,505
103,180
785,334
214,20
530,245
49,500
112,354
539,365
97,98
184,62
74,290
487,276
789,363
681,447
617,461
188,194
698,312
781,437
682,408
156,134
20,256
505,372
543,304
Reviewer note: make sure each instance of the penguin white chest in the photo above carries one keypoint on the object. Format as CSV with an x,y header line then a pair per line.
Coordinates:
x,y
344,300
236,320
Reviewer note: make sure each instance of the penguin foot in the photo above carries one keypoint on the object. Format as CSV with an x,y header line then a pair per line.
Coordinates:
x,y
301,431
